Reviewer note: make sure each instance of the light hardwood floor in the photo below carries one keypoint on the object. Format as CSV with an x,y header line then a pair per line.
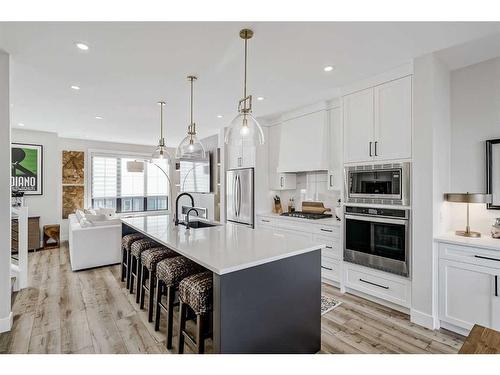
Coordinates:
x,y
91,312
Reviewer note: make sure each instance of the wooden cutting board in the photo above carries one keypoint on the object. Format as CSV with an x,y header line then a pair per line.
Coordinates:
x,y
314,207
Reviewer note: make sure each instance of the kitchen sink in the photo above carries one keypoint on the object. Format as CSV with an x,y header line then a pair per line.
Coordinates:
x,y
195,224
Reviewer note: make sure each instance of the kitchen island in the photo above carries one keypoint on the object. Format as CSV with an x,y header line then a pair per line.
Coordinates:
x,y
267,286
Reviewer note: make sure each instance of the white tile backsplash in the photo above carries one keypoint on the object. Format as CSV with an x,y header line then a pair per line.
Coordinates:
x,y
311,186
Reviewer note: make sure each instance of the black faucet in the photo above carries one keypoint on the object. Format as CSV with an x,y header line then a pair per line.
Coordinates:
x,y
177,205
187,215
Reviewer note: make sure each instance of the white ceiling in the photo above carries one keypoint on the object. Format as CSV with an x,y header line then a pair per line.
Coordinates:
x,y
130,66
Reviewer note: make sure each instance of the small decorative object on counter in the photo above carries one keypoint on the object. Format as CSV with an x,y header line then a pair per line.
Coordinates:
x,y
277,205
495,229
291,205
338,210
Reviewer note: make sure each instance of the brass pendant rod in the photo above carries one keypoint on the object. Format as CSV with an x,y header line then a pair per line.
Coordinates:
x,y
161,119
191,78
245,79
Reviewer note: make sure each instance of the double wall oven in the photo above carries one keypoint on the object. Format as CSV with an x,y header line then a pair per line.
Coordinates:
x,y
377,232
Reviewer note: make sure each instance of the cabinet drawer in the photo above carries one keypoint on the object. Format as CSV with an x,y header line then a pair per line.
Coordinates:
x,y
378,285
326,230
330,269
332,249
471,255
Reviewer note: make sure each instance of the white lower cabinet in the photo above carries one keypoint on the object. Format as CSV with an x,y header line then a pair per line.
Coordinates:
x,y
469,287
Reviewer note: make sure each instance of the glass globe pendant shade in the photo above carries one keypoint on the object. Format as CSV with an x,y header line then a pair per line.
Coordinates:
x,y
190,148
160,153
245,130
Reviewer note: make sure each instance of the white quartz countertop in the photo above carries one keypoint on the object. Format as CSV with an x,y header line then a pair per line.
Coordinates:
x,y
485,241
225,248
327,221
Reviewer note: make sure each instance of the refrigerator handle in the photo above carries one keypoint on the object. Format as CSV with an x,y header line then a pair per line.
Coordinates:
x,y
239,195
234,196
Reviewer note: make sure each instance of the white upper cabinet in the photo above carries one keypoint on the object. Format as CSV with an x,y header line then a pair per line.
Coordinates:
x,y
335,170
393,120
240,157
304,143
378,122
358,126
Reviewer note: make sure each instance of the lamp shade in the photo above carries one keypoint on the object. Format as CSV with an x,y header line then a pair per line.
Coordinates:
x,y
135,166
190,148
468,197
245,130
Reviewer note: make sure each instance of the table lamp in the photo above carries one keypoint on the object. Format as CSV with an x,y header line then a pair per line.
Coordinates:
x,y
468,198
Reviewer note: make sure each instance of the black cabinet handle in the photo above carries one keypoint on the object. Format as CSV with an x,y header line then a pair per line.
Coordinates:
x,y
326,268
265,221
488,258
370,149
326,230
496,285
329,247
369,282
376,148
331,180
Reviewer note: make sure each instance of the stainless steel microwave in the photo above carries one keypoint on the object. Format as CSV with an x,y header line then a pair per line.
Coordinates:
x,y
378,184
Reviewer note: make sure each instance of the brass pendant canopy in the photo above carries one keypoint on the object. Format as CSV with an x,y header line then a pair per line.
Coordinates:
x,y
245,130
190,147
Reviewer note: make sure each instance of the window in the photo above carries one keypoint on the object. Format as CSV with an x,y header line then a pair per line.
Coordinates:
x,y
114,187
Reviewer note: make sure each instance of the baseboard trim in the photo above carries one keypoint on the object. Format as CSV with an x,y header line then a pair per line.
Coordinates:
x,y
6,323
423,319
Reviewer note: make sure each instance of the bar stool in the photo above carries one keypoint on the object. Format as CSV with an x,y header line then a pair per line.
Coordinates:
x,y
169,273
135,259
127,241
196,293
149,259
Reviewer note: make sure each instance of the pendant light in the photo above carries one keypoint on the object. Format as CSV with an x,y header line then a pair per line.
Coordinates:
x,y
190,147
161,150
244,130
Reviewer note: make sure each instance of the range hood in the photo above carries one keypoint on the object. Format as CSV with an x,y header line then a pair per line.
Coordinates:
x,y
304,144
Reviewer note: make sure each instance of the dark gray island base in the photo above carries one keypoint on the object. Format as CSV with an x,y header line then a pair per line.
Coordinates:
x,y
271,308
274,307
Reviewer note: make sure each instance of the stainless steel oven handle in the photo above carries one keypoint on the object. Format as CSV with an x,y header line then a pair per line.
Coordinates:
x,y
374,219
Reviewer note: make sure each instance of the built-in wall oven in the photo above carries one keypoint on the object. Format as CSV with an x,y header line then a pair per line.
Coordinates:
x,y
378,238
387,184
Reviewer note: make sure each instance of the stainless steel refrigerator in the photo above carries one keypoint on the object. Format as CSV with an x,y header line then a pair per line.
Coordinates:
x,y
240,196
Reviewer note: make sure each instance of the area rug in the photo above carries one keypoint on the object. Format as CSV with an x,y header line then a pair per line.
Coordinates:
x,y
328,304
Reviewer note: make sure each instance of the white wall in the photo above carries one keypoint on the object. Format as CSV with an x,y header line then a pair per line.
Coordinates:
x,y
5,285
475,116
49,205
431,176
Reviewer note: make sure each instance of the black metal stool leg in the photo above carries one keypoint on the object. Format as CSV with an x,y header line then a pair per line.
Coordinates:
x,y
182,327
170,315
144,275
138,277
152,278
159,291
124,262
133,262
200,338
129,268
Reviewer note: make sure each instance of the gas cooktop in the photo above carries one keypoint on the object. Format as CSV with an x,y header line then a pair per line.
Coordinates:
x,y
306,215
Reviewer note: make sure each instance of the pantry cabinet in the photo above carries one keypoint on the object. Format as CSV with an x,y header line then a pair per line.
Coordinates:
x,y
468,287
378,122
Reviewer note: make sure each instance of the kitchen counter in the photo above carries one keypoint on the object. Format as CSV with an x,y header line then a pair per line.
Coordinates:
x,y
259,277
327,221
224,248
484,242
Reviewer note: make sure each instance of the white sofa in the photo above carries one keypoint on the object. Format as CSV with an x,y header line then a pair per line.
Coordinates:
x,y
94,244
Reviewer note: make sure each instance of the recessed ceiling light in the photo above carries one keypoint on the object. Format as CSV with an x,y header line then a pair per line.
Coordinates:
x,y
98,118
328,68
260,98
20,124
75,87
82,46
219,116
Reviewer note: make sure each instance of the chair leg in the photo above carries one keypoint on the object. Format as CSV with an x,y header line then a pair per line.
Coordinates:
x,y
159,291
200,340
182,327
133,263
152,278
138,278
124,262
129,268
170,315
144,276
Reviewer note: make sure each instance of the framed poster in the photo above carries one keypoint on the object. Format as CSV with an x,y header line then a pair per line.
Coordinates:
x,y
27,168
